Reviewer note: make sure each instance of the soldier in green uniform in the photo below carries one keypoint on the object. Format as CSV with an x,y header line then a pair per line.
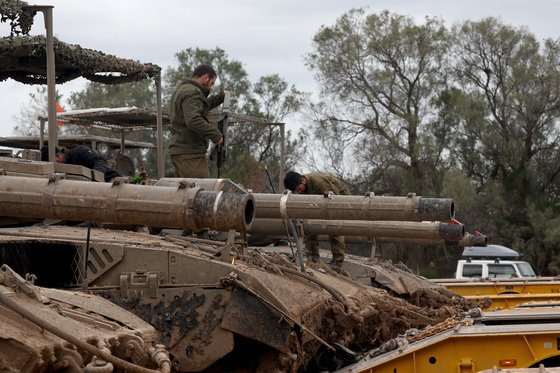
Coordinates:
x,y
190,128
318,183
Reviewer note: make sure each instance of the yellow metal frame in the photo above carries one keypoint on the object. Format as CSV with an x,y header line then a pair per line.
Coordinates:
x,y
507,293
504,287
506,301
468,352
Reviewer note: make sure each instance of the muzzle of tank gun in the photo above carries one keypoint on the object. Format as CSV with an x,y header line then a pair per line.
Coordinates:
x,y
220,211
451,231
444,208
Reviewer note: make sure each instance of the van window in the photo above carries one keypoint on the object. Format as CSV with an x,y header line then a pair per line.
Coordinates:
x,y
472,270
501,270
525,269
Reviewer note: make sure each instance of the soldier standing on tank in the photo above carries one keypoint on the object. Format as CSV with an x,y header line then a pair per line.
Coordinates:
x,y
319,183
190,128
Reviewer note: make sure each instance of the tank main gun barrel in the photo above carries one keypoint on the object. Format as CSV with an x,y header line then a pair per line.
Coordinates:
x,y
468,239
344,207
357,228
334,207
121,203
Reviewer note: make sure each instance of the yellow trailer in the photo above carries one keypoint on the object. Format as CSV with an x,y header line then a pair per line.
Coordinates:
x,y
506,293
504,339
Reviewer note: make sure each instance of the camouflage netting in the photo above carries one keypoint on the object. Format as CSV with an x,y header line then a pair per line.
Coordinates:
x,y
24,59
20,18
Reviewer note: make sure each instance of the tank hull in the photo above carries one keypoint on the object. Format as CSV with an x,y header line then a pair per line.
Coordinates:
x,y
209,306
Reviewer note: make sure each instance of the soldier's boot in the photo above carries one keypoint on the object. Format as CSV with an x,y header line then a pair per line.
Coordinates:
x,y
335,265
313,247
315,258
338,249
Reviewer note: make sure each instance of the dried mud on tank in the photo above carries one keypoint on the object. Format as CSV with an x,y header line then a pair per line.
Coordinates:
x,y
372,315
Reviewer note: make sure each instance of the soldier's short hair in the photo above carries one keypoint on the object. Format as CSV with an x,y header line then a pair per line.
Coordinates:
x,y
45,152
202,70
292,180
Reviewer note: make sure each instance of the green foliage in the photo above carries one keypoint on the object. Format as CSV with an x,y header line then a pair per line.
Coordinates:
x,y
430,272
276,99
26,121
459,187
469,113
249,173
518,81
514,81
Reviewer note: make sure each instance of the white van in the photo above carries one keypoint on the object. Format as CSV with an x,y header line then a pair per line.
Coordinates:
x,y
492,261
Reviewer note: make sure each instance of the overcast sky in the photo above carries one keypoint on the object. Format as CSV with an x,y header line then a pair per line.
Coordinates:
x,y
266,36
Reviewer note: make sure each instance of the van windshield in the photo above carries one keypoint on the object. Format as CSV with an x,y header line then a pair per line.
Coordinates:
x,y
525,269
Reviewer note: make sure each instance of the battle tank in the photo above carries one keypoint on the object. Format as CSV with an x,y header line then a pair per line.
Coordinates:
x,y
216,306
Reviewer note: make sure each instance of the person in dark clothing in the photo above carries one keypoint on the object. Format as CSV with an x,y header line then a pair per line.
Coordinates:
x,y
84,156
319,183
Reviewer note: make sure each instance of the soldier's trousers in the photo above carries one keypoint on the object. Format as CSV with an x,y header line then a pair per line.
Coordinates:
x,y
190,165
337,247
